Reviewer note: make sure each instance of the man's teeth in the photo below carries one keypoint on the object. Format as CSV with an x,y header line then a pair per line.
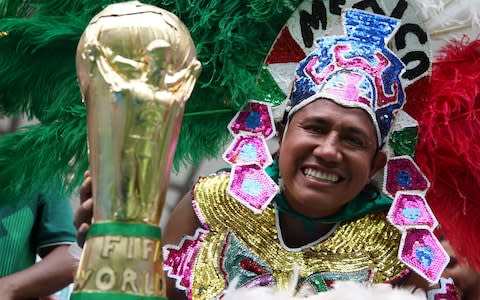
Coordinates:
x,y
321,175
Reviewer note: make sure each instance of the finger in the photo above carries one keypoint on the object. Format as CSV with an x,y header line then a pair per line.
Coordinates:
x,y
84,213
86,189
86,174
82,234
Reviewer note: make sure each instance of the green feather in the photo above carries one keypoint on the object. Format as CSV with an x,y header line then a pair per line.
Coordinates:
x,y
37,67
33,155
14,8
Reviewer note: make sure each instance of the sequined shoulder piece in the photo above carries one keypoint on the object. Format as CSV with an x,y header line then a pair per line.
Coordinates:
x,y
216,209
371,237
369,243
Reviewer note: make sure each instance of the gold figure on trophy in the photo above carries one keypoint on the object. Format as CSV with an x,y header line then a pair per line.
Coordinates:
x,y
136,66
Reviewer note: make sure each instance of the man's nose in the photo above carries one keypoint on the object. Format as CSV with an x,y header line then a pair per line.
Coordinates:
x,y
328,148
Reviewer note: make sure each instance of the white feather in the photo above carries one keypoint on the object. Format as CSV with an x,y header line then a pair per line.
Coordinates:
x,y
342,291
450,19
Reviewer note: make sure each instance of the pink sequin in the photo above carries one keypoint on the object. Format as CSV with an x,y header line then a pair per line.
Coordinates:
x,y
179,260
347,86
378,69
250,185
422,252
255,118
247,149
403,174
409,210
350,89
262,280
318,78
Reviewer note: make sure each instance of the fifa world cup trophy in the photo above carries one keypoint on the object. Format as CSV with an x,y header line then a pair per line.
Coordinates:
x,y
136,66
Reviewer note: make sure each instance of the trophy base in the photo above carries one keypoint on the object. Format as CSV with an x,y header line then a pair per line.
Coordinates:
x,y
112,296
121,260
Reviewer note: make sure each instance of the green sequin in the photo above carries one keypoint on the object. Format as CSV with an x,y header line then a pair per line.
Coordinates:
x,y
318,283
267,89
403,142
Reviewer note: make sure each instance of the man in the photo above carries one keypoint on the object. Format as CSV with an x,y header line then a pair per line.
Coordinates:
x,y
326,219
43,227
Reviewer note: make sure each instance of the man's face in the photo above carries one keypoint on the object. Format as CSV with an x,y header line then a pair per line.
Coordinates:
x,y
326,157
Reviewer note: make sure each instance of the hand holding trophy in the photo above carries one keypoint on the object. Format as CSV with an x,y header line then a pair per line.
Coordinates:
x,y
136,66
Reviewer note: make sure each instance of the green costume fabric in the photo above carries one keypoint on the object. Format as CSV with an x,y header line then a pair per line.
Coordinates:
x,y
26,228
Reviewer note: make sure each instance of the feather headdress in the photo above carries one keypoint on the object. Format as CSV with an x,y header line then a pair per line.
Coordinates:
x,y
448,149
37,69
448,115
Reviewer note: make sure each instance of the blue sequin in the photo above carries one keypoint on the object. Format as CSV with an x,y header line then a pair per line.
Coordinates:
x,y
248,153
411,213
252,187
253,120
118,97
404,179
425,255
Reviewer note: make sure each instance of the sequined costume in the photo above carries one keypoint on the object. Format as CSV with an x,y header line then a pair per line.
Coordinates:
x,y
238,242
241,236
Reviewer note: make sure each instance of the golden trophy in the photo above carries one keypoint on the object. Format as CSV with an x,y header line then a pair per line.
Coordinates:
x,y
136,66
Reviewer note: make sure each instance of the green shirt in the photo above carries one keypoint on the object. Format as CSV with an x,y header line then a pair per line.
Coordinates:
x,y
26,228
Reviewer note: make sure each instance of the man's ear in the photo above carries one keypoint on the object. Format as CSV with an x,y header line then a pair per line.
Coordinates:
x,y
379,161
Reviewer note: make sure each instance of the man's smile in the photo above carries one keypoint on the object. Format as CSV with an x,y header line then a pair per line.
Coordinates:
x,y
322,176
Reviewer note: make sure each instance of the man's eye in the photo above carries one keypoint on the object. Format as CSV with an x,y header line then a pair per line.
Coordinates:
x,y
354,141
316,129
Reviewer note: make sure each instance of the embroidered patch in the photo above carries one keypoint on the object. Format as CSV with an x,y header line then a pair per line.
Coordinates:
x,y
251,185
248,149
403,174
422,252
179,261
255,118
411,210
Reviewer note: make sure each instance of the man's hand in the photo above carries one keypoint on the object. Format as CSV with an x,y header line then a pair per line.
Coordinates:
x,y
84,214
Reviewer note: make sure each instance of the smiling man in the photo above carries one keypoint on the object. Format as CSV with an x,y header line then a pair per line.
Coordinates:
x,y
328,218
327,156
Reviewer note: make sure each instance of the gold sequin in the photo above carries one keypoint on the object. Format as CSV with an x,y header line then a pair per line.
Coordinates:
x,y
367,243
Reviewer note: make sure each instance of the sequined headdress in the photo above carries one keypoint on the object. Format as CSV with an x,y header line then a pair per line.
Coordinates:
x,y
356,70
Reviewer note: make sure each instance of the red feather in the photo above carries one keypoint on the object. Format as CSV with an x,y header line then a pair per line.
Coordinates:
x,y
448,150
